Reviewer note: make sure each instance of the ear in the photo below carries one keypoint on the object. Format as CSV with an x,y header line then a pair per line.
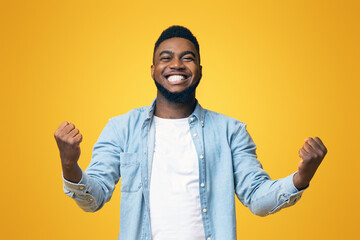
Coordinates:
x,y
152,71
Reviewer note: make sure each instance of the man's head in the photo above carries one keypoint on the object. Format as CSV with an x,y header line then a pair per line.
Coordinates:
x,y
180,32
176,67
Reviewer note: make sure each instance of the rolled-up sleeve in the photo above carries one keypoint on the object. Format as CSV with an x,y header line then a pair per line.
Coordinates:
x,y
99,179
253,186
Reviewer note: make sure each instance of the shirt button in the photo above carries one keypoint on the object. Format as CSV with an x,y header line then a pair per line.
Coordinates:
x,y
81,188
208,238
204,210
202,185
195,135
91,199
192,119
201,156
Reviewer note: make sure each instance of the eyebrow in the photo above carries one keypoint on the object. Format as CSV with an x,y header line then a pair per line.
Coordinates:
x,y
166,52
182,54
188,52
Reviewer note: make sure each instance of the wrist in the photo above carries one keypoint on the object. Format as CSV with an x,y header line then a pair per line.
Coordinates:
x,y
68,166
299,181
68,163
73,174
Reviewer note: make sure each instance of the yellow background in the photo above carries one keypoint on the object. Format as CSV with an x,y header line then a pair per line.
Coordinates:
x,y
289,69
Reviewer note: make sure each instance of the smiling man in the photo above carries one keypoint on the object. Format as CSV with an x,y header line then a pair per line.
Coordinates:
x,y
180,165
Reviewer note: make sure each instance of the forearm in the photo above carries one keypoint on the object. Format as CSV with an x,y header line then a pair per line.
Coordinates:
x,y
299,182
87,193
72,173
272,196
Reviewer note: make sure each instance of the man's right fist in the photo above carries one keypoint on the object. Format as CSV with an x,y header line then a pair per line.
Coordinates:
x,y
68,139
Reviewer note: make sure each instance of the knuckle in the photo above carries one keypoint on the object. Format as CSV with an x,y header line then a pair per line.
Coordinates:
x,y
61,136
71,141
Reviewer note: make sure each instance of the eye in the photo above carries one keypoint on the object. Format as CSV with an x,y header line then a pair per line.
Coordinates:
x,y
188,59
165,59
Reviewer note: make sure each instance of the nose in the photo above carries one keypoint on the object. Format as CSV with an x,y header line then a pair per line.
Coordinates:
x,y
176,64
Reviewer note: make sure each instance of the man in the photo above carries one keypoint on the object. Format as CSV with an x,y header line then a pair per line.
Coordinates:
x,y
179,164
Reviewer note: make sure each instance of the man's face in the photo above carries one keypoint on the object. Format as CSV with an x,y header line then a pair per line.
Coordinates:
x,y
176,66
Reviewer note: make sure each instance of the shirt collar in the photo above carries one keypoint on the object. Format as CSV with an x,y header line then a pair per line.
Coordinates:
x,y
198,113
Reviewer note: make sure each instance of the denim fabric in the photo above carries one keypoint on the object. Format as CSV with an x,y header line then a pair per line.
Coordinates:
x,y
228,166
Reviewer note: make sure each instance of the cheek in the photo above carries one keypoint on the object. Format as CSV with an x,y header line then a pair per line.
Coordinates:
x,y
159,69
196,71
158,72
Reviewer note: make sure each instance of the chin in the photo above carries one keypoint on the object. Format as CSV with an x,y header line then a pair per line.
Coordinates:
x,y
185,96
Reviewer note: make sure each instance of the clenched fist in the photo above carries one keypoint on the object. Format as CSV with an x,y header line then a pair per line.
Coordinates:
x,y
312,153
68,139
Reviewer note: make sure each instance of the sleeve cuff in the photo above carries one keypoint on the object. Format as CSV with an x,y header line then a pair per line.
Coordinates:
x,y
80,187
290,191
289,194
289,184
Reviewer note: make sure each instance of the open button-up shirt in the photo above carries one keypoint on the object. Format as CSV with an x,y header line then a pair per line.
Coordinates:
x,y
228,166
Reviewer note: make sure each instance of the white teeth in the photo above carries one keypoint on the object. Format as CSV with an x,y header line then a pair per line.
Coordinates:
x,y
174,78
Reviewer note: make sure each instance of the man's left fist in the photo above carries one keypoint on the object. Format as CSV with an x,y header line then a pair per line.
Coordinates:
x,y
312,153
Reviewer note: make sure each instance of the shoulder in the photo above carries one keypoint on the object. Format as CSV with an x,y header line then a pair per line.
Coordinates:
x,y
222,120
131,118
224,127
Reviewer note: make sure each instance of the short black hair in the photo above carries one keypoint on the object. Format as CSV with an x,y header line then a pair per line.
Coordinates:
x,y
180,32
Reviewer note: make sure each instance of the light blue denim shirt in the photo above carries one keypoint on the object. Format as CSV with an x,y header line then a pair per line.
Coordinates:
x,y
228,165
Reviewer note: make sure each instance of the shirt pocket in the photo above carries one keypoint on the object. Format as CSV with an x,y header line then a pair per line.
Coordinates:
x,y
130,172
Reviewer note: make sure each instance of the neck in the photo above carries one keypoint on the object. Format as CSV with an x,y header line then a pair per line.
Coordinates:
x,y
173,110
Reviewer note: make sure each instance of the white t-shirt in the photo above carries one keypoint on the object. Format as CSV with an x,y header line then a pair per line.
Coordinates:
x,y
175,211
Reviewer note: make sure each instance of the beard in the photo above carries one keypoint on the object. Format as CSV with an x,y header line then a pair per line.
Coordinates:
x,y
184,96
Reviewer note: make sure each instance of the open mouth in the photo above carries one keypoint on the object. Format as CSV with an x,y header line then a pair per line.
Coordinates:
x,y
176,78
